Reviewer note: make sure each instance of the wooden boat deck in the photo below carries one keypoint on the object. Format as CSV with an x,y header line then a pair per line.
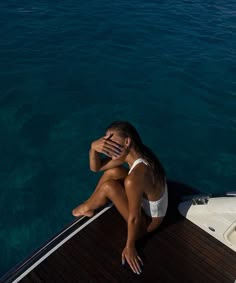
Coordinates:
x,y
178,252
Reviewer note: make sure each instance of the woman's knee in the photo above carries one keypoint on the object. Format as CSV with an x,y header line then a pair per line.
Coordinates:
x,y
111,186
116,173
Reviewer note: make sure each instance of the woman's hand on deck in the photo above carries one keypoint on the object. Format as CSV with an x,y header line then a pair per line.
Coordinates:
x,y
108,147
130,255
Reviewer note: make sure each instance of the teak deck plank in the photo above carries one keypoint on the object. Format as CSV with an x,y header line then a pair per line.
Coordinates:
x,y
211,255
178,251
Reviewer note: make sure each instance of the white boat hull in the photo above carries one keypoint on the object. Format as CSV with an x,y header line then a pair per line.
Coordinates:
x,y
217,216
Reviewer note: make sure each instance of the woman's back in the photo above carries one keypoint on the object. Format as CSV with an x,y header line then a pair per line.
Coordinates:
x,y
152,191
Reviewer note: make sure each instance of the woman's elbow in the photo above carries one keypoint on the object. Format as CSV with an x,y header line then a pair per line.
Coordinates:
x,y
94,169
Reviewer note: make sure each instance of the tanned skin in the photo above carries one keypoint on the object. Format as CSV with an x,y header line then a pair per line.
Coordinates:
x,y
125,191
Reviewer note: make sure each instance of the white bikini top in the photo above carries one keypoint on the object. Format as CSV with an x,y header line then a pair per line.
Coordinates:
x,y
136,162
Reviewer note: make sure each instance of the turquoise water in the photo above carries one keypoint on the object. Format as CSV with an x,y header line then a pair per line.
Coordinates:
x,y
69,68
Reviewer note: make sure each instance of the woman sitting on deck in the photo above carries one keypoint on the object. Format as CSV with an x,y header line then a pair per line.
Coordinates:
x,y
140,194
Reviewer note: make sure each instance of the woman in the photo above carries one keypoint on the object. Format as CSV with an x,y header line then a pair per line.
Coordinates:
x,y
140,194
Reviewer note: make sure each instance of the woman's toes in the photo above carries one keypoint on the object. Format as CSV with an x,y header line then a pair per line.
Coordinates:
x,y
74,212
77,211
89,213
82,210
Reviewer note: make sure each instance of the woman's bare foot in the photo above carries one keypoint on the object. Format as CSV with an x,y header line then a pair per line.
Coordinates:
x,y
82,210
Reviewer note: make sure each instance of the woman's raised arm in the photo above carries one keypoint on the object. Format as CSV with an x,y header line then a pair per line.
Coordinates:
x,y
108,147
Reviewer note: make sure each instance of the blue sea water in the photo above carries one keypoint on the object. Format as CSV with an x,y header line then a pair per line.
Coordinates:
x,y
69,68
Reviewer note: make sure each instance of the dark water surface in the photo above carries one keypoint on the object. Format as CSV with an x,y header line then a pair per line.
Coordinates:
x,y
69,68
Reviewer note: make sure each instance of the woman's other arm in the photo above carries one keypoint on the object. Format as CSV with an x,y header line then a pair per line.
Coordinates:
x,y
134,194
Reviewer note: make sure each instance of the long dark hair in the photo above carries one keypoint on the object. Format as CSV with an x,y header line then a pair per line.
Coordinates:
x,y
125,130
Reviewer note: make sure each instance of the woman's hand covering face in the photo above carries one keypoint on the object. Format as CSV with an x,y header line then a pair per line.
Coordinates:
x,y
108,147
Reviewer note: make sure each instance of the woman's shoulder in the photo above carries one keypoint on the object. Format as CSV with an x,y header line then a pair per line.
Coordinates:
x,y
140,173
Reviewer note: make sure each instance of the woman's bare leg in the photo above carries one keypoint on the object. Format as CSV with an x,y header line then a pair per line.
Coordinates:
x,y
108,190
154,223
117,173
